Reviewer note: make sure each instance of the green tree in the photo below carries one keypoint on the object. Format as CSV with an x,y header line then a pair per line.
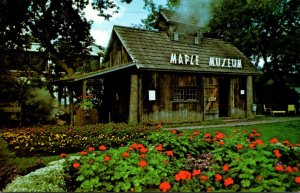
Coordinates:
x,y
268,31
60,27
62,31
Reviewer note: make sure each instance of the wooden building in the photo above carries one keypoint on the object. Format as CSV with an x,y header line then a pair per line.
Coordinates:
x,y
173,74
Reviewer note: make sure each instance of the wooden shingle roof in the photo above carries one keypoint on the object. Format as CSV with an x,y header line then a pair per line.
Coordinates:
x,y
151,50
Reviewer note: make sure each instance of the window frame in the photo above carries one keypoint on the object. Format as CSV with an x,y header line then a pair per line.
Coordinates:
x,y
185,94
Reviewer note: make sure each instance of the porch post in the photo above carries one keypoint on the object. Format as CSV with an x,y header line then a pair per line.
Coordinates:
x,y
249,93
71,108
133,101
84,89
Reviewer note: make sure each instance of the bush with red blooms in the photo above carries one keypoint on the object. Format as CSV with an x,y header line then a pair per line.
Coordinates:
x,y
172,161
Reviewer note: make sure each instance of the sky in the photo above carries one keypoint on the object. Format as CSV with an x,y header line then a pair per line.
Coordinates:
x,y
128,15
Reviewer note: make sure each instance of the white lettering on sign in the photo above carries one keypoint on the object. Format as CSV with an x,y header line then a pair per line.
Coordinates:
x,y
225,62
184,59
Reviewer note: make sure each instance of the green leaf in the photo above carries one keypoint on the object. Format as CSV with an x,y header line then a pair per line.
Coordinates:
x,y
246,183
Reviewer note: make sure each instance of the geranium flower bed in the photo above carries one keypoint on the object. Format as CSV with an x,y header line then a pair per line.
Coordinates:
x,y
180,161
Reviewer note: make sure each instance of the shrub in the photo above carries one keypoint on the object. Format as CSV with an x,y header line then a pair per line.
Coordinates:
x,y
180,161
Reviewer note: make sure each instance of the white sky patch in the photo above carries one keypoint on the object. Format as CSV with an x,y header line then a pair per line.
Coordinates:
x,y
101,37
128,14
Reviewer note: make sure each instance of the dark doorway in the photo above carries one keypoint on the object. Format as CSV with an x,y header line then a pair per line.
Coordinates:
x,y
224,97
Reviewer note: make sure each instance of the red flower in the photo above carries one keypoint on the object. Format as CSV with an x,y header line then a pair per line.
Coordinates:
x,y
140,146
289,169
203,178
142,155
295,169
274,140
228,181
297,180
277,153
76,165
222,142
107,158
135,145
125,154
170,153
143,150
279,168
208,189
174,131
142,163
63,155
102,148
239,146
298,145
207,135
195,132
285,142
159,126
83,153
219,135
253,131
218,177
196,172
130,148
159,147
225,167
164,186
91,149
259,142
207,139
252,145
183,175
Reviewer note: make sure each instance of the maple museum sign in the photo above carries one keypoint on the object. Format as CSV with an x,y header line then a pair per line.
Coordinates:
x,y
213,61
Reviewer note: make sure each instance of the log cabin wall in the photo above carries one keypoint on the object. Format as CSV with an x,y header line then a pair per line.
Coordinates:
x,y
191,97
118,54
178,98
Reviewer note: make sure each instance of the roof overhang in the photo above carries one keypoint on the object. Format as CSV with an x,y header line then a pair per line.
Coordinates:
x,y
85,76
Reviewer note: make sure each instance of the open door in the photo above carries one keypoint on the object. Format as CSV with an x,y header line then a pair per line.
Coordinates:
x,y
224,90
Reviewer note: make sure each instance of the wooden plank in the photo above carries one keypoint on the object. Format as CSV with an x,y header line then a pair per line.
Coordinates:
x,y
210,102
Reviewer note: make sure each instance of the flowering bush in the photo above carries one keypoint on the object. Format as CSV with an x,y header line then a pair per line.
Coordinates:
x,y
86,103
53,140
182,161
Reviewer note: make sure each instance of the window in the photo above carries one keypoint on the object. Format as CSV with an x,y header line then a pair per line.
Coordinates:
x,y
185,94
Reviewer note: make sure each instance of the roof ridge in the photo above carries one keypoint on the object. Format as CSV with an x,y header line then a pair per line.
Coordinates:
x,y
135,28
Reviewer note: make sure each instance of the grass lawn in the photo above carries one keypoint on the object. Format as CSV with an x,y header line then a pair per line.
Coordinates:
x,y
282,131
